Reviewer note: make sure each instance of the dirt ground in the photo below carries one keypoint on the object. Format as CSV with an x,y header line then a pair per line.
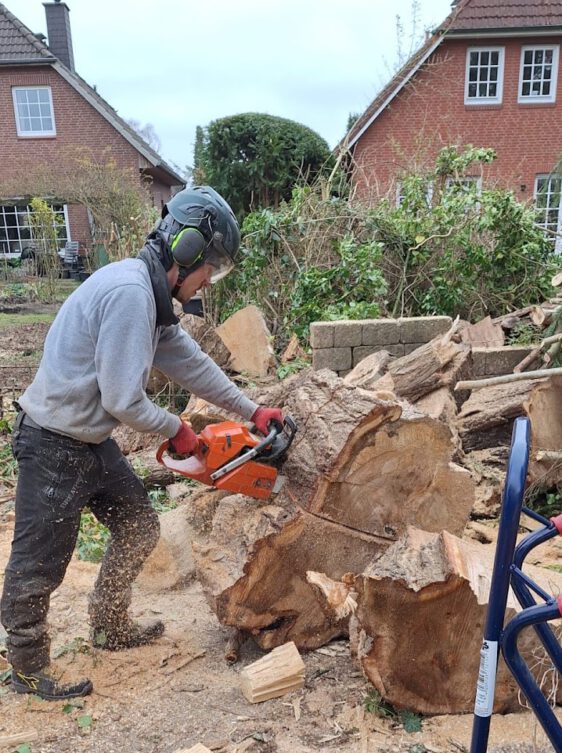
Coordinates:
x,y
180,691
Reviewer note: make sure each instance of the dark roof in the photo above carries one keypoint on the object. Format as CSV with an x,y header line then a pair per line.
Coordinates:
x,y
466,16
18,44
488,15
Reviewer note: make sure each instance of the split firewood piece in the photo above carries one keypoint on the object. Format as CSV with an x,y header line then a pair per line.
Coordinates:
x,y
199,748
206,336
420,616
274,675
487,468
438,363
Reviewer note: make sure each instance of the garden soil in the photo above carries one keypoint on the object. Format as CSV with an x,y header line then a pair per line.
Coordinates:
x,y
180,691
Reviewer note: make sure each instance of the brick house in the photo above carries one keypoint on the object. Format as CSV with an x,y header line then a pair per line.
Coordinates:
x,y
48,109
488,76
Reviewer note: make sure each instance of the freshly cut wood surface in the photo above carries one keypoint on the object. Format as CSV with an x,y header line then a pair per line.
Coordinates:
x,y
484,334
420,616
276,674
360,470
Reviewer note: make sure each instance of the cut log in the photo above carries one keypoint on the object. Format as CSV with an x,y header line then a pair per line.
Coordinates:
x,y
439,363
486,419
359,472
274,675
420,616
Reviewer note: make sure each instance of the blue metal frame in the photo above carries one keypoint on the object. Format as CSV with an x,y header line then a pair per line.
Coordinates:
x,y
508,568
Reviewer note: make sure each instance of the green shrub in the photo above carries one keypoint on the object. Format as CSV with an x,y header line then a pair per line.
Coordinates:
x,y
449,250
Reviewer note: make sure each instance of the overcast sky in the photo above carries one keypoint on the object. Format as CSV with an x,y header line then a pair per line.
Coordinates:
x,y
181,63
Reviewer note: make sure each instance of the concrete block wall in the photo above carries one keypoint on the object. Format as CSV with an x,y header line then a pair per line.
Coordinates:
x,y
341,345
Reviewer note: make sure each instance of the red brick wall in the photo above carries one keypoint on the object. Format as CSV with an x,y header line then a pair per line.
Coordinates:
x,y
78,124
429,113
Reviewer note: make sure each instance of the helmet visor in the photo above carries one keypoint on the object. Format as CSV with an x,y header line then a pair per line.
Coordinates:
x,y
220,261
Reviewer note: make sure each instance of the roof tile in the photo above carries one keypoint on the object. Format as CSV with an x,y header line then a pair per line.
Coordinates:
x,y
17,43
510,14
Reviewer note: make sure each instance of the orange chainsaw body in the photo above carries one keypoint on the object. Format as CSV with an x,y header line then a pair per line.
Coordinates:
x,y
218,445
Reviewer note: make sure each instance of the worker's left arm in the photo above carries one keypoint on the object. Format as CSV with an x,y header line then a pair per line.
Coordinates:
x,y
183,361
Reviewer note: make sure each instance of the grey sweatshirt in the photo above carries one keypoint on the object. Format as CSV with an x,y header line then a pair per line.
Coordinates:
x,y
98,355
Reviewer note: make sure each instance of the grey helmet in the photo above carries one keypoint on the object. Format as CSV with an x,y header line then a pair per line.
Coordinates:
x,y
204,210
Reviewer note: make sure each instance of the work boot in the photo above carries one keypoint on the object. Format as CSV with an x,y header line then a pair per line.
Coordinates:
x,y
42,684
130,635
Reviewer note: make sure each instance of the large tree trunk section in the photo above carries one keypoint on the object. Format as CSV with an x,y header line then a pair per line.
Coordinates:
x,y
253,570
420,617
360,470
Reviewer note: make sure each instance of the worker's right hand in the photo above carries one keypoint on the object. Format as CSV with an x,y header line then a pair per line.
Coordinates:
x,y
185,440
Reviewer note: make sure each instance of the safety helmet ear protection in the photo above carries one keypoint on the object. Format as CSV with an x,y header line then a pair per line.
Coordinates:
x,y
188,246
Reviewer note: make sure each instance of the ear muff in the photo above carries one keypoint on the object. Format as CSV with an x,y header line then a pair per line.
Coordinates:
x,y
188,246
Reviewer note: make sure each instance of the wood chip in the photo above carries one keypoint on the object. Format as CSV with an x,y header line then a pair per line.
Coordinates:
x,y
18,737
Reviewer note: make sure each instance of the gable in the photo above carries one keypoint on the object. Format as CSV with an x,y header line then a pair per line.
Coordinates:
x,y
468,17
19,46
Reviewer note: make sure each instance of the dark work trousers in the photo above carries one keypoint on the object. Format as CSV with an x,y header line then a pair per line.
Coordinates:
x,y
58,476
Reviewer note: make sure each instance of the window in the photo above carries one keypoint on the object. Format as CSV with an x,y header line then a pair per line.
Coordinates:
x,y
16,233
427,187
538,74
465,183
547,201
33,107
484,75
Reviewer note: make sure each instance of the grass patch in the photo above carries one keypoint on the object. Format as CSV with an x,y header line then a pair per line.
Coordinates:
x,y
409,720
16,320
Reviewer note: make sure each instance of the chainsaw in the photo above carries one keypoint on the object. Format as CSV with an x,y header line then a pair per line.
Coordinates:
x,y
227,456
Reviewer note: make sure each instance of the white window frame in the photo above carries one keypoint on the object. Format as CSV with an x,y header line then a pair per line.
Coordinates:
x,y
18,231
497,99
545,224
45,134
538,98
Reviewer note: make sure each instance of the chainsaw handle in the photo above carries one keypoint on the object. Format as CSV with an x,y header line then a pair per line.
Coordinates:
x,y
165,448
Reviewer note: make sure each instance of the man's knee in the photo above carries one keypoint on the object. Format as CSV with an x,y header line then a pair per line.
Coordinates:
x,y
143,531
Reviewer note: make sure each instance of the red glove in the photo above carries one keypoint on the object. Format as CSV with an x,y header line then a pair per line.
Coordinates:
x,y
263,416
185,441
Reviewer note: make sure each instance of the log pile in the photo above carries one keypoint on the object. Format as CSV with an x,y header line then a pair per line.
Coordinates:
x,y
365,537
